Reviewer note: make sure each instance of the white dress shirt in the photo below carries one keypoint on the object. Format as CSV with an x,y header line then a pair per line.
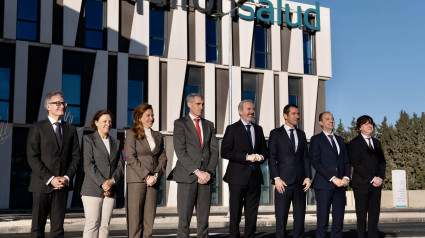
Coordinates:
x,y
149,138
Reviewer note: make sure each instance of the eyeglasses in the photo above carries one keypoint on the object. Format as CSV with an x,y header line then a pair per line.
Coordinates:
x,y
58,104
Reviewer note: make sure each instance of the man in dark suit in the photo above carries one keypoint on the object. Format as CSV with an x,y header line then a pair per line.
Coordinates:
x,y
290,171
196,147
369,164
329,158
53,154
245,148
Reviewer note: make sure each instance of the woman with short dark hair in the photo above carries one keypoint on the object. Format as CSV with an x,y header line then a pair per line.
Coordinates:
x,y
103,168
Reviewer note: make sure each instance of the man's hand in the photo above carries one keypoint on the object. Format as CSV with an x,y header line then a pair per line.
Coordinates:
x,y
377,182
307,183
106,186
338,182
58,182
203,177
280,185
258,157
345,182
252,157
107,193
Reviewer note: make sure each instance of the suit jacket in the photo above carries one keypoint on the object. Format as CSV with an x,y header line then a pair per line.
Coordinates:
x,y
291,166
47,158
366,163
235,147
326,163
190,155
141,160
99,166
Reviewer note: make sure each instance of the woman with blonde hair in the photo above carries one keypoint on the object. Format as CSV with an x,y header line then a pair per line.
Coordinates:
x,y
146,160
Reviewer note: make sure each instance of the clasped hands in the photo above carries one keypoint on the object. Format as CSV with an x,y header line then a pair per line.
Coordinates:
x,y
106,186
203,177
340,182
377,182
59,182
254,157
151,180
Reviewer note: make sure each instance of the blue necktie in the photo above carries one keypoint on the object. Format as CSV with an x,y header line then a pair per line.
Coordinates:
x,y
292,137
333,144
248,131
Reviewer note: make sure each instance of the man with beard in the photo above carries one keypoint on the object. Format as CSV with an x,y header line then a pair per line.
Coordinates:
x,y
245,148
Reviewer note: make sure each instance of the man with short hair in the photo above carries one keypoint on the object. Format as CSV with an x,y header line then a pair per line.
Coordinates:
x,y
53,154
245,147
290,171
329,158
196,147
369,164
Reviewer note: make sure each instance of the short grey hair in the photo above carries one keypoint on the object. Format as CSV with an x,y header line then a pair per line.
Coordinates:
x,y
48,97
192,96
240,106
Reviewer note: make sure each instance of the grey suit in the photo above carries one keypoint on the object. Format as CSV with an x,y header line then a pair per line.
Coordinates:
x,y
191,156
142,199
99,166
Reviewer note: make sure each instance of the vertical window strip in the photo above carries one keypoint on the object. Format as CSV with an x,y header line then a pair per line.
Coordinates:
x,y
27,20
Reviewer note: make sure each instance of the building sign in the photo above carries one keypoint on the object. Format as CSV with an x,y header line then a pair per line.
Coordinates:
x,y
250,12
399,188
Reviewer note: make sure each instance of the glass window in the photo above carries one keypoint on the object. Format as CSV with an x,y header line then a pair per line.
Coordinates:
x,y
157,32
216,187
294,92
250,85
308,52
71,87
266,188
4,93
137,85
94,24
262,47
27,20
212,34
194,83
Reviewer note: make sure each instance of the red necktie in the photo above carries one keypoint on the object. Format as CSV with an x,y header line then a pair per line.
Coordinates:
x,y
198,129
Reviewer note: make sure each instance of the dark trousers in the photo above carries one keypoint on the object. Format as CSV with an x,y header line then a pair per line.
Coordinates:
x,y
188,196
247,196
325,199
297,196
43,204
368,201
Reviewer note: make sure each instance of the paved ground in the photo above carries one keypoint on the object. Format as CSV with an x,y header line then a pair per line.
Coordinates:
x,y
13,222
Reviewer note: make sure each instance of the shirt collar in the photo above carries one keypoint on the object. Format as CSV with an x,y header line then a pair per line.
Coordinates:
x,y
287,128
366,137
327,134
52,121
192,117
244,123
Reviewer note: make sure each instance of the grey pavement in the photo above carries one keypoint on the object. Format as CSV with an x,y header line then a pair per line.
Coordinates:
x,y
12,221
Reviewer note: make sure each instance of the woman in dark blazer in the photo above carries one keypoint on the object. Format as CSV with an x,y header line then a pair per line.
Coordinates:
x,y
103,168
146,160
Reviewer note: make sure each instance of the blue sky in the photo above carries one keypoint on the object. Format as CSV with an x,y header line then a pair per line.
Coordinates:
x,y
378,58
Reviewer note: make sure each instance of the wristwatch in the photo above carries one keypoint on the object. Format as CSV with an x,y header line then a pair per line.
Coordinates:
x,y
156,175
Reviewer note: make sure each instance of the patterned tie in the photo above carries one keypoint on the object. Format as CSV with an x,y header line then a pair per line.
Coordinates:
x,y
292,137
333,144
198,129
370,144
58,132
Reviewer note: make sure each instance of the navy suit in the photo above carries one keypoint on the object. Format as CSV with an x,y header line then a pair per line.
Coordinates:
x,y
327,165
292,167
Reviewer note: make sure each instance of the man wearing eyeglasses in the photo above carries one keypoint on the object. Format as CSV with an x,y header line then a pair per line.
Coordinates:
x,y
53,154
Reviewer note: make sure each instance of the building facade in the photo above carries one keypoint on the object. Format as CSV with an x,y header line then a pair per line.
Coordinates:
x,y
117,54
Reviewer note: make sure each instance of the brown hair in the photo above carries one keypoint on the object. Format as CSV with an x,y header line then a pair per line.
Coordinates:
x,y
97,115
364,120
138,129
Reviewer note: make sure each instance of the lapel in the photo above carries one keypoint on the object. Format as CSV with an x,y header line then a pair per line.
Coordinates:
x,y
113,146
329,145
286,138
204,131
144,142
65,132
242,131
190,124
99,144
50,131
157,139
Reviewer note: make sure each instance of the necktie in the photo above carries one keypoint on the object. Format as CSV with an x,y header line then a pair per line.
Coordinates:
x,y
58,132
370,144
333,144
248,131
292,137
198,129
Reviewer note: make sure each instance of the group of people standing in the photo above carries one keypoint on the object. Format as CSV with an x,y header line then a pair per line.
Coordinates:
x,y
53,153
